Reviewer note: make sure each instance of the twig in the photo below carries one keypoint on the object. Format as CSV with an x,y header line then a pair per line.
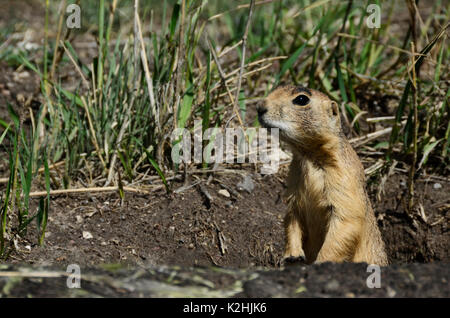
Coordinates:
x,y
223,78
180,61
311,6
374,168
254,71
266,59
34,274
203,171
6,43
205,192
62,7
186,187
357,117
242,6
422,213
230,48
345,35
381,119
358,141
244,75
147,74
438,221
90,190
437,178
416,127
244,46
179,78
136,45
223,247
77,68
412,14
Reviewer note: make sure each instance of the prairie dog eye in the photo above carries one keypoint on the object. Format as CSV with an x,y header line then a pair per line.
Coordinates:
x,y
301,100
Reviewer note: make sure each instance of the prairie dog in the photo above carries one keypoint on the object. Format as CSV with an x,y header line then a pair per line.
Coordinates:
x,y
329,216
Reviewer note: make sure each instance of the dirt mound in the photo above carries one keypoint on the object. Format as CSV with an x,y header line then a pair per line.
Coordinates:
x,y
319,280
190,229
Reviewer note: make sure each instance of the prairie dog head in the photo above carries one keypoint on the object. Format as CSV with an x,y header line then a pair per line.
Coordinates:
x,y
306,118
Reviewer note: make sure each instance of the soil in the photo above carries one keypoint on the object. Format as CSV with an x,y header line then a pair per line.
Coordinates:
x,y
244,230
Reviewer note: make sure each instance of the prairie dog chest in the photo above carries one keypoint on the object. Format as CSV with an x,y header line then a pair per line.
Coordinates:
x,y
307,186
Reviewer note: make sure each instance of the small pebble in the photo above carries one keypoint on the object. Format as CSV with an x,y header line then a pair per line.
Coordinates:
x,y
87,235
224,192
79,219
391,292
332,285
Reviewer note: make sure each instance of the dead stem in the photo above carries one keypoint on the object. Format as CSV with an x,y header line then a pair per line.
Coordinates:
x,y
241,72
90,190
415,131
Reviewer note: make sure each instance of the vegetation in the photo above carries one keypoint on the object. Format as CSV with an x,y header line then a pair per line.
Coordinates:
x,y
163,64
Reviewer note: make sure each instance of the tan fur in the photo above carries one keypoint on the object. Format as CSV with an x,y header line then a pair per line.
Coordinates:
x,y
330,217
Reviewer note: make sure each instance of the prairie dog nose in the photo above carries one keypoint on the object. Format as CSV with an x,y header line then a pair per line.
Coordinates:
x,y
261,108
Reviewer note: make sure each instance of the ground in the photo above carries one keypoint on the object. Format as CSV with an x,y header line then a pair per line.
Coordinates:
x,y
240,231
198,242
224,247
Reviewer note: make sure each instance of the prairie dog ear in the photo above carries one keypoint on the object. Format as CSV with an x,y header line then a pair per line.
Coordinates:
x,y
334,108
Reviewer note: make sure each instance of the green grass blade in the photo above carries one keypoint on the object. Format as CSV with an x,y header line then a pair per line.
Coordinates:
x,y
4,134
185,109
44,205
174,21
158,170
